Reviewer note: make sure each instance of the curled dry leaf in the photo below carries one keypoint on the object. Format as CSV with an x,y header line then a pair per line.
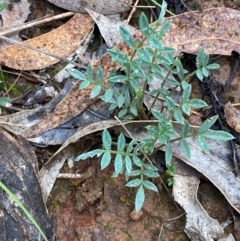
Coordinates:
x,y
232,117
104,6
61,41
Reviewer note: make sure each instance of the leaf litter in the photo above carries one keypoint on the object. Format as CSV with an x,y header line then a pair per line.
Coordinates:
x,y
14,15
103,6
70,35
185,46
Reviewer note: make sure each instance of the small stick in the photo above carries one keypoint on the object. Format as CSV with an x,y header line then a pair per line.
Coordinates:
x,y
69,175
132,11
34,23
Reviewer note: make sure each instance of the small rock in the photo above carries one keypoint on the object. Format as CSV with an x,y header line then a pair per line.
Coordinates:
x,y
135,216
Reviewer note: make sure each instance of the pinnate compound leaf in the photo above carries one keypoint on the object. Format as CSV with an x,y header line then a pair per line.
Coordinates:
x,y
203,144
186,128
128,165
97,152
144,55
118,78
3,5
89,72
118,164
204,58
207,124
151,174
107,140
77,74
162,13
166,26
134,183
84,84
137,161
140,197
205,72
105,160
199,74
186,108
134,110
144,24
158,115
186,92
4,101
121,143
150,186
197,103
218,135
99,74
131,146
213,66
122,113
170,103
168,153
127,37
108,95
135,173
178,116
185,148
118,56
150,167
95,91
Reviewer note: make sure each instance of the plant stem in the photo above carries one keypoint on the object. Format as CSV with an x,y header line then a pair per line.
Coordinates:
x,y
159,5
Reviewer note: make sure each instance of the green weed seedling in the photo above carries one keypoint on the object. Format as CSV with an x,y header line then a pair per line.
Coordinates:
x,y
148,59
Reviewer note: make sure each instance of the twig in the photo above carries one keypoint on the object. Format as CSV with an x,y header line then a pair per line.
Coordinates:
x,y
15,81
160,233
133,139
36,22
132,11
232,75
69,175
176,217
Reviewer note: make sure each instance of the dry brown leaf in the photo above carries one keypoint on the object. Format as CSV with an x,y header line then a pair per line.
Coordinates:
x,y
199,225
62,108
61,41
216,30
232,117
15,14
73,104
104,6
109,28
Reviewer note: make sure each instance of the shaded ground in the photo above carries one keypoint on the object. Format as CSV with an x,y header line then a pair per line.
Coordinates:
x,y
100,208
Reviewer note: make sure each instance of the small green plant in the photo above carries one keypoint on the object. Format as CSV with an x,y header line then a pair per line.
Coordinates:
x,y
125,93
3,5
